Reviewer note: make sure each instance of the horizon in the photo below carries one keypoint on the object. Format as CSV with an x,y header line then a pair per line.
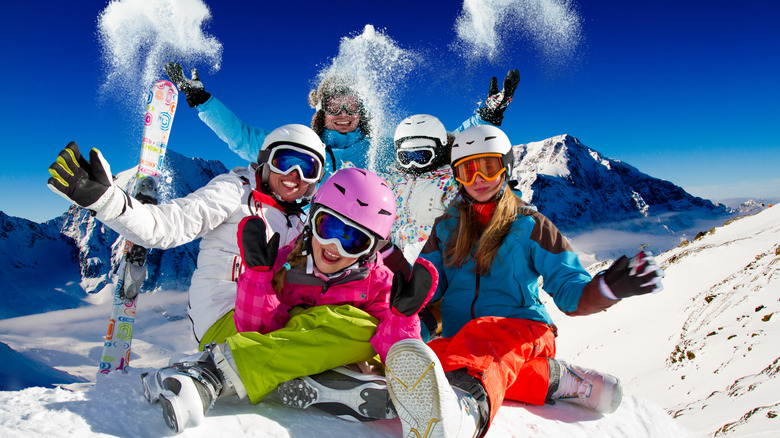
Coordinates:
x,y
683,92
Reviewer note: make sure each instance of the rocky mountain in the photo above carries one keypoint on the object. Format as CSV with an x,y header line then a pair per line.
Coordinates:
x,y
578,188
54,265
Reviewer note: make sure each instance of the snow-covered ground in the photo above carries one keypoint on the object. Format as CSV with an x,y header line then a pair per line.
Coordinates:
x,y
697,359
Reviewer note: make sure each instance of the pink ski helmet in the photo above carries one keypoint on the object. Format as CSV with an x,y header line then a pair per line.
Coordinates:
x,y
360,196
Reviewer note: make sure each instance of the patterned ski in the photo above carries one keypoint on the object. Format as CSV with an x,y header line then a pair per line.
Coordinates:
x,y
131,273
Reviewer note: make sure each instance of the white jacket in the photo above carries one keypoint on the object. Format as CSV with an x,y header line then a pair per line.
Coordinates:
x,y
419,200
211,213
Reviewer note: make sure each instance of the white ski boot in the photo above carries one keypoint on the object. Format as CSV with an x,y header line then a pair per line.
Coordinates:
x,y
592,389
188,388
347,394
426,403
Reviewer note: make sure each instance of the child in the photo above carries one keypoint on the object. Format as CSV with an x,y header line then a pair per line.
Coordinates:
x,y
276,188
498,340
324,301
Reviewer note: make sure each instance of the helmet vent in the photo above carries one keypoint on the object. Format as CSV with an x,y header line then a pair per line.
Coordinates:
x,y
340,188
385,212
490,138
361,203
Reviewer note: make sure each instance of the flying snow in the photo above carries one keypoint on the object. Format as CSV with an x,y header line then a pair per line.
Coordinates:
x,y
379,67
485,27
139,36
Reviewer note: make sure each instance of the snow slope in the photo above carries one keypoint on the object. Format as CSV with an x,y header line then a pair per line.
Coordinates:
x,y
698,359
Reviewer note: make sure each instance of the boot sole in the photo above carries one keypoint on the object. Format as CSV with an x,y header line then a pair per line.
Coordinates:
x,y
414,380
340,394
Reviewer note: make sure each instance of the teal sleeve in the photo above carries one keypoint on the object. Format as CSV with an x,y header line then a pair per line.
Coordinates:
x,y
242,139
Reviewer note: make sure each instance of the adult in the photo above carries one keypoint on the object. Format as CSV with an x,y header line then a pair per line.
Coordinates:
x,y
276,188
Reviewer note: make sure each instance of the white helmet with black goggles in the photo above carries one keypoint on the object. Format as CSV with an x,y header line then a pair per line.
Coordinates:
x,y
351,239
284,158
420,142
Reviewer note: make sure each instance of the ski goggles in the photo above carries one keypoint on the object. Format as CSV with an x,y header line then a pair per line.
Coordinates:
x,y
416,151
419,157
335,104
488,166
350,239
286,158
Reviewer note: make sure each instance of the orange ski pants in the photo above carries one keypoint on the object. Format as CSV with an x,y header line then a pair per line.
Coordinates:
x,y
508,355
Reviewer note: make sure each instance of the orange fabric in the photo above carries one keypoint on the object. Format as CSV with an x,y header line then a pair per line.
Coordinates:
x,y
508,355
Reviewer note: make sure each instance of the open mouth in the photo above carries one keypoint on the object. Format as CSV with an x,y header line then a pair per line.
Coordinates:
x,y
330,257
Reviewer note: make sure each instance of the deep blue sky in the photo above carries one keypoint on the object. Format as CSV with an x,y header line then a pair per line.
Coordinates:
x,y
684,91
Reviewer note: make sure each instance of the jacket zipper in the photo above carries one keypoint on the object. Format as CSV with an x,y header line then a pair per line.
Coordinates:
x,y
473,303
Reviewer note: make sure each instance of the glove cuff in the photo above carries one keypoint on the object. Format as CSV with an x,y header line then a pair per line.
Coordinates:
x,y
491,116
198,97
111,205
605,290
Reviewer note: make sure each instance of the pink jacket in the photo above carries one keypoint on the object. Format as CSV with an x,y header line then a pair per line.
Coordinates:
x,y
259,308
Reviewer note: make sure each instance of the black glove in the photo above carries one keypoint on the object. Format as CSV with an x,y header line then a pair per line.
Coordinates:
x,y
497,101
86,183
256,252
408,296
638,276
192,88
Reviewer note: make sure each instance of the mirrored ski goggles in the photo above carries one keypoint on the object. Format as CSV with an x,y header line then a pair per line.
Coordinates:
x,y
286,158
333,105
488,166
350,239
419,157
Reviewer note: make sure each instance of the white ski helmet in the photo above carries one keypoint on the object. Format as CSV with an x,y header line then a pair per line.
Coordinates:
x,y
295,135
417,131
482,139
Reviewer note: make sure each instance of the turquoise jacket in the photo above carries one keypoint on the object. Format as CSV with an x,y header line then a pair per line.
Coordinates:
x,y
533,248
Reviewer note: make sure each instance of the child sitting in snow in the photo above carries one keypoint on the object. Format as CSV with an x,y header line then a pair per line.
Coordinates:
x,y
324,301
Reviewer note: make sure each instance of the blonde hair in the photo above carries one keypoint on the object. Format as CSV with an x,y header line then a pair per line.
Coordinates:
x,y
470,234
295,258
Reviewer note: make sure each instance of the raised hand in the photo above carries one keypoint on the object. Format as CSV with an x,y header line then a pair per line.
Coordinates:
x,y
498,100
86,183
192,88
257,252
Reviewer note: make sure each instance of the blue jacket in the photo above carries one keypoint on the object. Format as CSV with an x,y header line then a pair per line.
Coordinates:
x,y
354,147
533,248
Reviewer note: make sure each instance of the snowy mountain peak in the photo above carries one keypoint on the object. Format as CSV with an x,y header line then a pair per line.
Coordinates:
x,y
579,188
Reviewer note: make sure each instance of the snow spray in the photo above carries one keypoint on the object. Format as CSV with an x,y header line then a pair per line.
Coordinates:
x,y
139,36
484,27
379,67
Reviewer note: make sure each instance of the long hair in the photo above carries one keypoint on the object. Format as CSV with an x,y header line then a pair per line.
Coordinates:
x,y
295,258
470,234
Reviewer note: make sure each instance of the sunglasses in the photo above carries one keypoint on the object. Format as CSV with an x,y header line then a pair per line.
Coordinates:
x,y
286,158
489,166
350,239
334,105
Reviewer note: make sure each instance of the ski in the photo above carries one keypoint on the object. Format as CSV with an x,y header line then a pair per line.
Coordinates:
x,y
131,272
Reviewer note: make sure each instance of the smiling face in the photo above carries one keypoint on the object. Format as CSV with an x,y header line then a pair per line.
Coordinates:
x,y
343,122
483,190
327,257
288,187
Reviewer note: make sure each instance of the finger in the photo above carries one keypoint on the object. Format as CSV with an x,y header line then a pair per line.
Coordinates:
x,y
101,171
273,244
493,86
57,182
510,82
195,76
